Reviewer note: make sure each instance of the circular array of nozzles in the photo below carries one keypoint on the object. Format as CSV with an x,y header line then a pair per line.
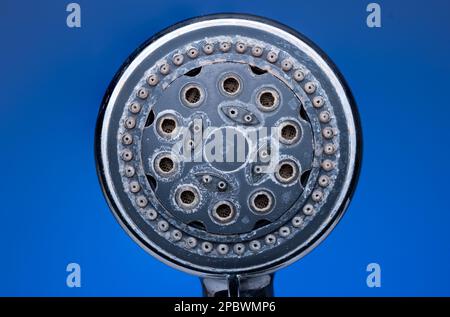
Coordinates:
x,y
188,194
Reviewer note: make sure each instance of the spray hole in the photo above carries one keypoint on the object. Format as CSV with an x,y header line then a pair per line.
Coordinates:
x,y
286,171
192,95
289,132
231,85
223,211
222,185
166,164
168,125
187,197
262,201
267,99
233,112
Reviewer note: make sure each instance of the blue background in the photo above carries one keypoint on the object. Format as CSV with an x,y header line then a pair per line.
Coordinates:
x,y
53,211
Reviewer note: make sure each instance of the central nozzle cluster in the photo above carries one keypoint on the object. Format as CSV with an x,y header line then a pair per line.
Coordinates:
x,y
227,137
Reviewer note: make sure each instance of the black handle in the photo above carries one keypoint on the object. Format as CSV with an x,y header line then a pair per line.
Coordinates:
x,y
238,286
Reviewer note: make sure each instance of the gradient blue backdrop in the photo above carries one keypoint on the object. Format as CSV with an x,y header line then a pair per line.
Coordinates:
x,y
53,211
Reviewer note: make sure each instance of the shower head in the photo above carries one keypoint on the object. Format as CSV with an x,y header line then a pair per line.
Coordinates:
x,y
228,146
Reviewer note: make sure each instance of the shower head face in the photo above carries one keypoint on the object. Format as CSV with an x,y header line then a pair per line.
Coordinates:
x,y
228,144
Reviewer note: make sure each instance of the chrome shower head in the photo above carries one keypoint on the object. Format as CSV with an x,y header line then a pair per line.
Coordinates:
x,y
228,146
